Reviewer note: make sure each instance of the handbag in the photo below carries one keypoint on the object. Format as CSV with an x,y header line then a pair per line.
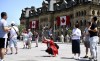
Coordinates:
x,y
18,36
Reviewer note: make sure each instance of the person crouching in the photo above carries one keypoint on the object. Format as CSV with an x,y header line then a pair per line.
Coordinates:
x,y
51,47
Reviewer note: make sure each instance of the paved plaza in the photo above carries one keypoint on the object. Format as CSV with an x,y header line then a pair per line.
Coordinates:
x,y
39,54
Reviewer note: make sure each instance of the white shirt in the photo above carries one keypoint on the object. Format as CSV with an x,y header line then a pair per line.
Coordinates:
x,y
3,23
13,33
76,33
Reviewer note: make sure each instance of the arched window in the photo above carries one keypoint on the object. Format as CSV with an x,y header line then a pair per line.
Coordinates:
x,y
76,14
93,12
79,13
98,23
98,13
84,12
77,21
84,22
81,23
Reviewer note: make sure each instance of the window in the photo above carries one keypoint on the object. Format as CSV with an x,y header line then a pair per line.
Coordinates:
x,y
93,12
98,23
98,13
84,22
77,21
84,12
76,14
81,23
79,13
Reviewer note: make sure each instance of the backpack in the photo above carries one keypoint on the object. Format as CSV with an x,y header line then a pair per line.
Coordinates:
x,y
8,36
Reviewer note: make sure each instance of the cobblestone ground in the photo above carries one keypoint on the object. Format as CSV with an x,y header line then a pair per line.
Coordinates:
x,y
38,54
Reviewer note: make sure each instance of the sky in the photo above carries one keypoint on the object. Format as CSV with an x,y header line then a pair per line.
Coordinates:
x,y
14,8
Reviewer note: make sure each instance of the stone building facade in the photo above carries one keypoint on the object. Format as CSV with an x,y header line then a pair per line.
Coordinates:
x,y
79,11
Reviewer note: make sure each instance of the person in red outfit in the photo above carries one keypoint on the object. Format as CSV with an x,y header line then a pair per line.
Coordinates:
x,y
51,48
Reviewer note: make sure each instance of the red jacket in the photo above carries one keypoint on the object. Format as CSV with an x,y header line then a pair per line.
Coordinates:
x,y
52,46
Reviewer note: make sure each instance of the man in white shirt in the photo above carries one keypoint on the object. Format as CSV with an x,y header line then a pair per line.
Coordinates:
x,y
13,37
4,29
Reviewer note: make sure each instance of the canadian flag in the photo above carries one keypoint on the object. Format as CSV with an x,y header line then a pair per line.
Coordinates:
x,y
63,20
34,24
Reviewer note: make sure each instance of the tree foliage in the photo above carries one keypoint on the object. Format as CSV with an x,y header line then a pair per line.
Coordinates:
x,y
21,27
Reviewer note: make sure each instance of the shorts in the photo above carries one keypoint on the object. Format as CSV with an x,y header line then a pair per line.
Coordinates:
x,y
13,42
3,42
87,44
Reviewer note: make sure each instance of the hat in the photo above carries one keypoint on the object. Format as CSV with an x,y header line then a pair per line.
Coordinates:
x,y
12,23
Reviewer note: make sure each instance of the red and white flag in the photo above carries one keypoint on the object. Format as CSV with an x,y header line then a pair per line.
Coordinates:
x,y
33,24
63,20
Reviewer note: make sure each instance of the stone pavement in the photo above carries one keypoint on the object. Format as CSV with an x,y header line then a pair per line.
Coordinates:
x,y
38,54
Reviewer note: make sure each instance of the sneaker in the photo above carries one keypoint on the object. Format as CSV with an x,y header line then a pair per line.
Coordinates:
x,y
78,58
16,53
1,60
95,60
74,57
11,53
90,57
85,57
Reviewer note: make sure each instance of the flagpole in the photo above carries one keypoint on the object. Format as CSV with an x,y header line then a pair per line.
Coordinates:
x,y
54,30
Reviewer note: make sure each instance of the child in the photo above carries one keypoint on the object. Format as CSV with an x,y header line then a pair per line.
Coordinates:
x,y
25,39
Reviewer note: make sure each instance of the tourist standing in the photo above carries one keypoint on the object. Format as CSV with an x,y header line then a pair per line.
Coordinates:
x,y
4,29
36,38
67,38
30,34
25,39
62,38
13,37
86,38
93,38
50,32
76,34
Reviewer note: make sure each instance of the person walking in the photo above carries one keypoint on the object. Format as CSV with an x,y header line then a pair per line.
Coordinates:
x,y
7,43
76,34
36,38
13,37
30,34
93,38
86,38
4,29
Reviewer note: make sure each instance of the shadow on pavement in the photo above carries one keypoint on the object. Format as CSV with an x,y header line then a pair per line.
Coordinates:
x,y
42,50
66,58
84,59
44,56
27,60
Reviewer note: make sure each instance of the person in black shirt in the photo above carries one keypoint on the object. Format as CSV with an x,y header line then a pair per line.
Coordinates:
x,y
93,38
